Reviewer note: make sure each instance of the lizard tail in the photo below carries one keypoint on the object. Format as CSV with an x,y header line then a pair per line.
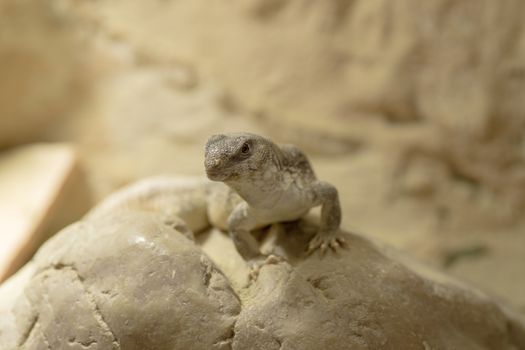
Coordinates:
x,y
172,197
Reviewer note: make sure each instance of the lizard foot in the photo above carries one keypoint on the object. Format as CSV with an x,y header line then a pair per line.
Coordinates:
x,y
179,225
257,263
323,241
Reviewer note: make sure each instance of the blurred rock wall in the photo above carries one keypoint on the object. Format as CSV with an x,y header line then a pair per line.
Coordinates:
x,y
40,67
431,92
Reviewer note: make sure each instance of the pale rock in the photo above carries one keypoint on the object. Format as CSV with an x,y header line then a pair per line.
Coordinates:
x,y
129,281
42,189
123,282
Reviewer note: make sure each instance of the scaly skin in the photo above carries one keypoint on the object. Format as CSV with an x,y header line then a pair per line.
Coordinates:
x,y
276,184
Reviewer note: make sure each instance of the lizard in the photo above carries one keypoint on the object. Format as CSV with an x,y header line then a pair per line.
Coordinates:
x,y
276,184
254,183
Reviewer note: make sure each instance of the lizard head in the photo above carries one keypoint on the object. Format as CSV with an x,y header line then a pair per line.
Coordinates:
x,y
229,157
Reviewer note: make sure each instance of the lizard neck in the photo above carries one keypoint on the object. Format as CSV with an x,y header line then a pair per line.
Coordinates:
x,y
265,186
256,194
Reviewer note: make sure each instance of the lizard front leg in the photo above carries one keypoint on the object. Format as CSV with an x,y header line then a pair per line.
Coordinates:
x,y
240,224
328,236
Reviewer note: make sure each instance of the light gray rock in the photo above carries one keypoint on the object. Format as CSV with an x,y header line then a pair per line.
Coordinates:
x,y
366,298
128,281
125,282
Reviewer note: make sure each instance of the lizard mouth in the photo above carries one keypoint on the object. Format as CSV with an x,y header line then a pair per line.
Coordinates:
x,y
217,175
222,174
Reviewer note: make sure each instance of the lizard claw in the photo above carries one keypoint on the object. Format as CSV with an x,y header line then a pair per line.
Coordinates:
x,y
323,241
257,263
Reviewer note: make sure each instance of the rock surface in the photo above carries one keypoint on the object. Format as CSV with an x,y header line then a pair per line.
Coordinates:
x,y
131,282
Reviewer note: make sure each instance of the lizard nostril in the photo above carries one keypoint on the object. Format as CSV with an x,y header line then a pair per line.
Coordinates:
x,y
212,164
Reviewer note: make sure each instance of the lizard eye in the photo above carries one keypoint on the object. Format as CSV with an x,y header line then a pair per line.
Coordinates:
x,y
245,149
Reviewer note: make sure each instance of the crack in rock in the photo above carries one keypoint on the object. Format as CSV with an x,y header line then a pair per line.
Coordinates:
x,y
212,288
85,344
27,334
97,314
228,338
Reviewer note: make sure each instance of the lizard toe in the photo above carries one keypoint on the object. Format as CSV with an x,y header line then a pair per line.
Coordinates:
x,y
257,263
273,259
254,272
324,242
334,244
